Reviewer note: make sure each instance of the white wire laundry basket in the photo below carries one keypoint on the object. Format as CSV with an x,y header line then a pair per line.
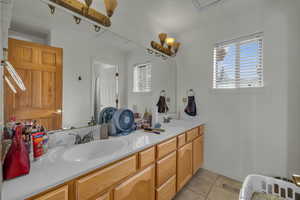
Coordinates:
x,y
268,185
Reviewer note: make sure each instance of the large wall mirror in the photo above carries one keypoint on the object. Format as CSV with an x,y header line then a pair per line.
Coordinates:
x,y
72,72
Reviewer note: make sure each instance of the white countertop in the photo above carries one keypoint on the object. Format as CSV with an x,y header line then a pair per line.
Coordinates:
x,y
53,170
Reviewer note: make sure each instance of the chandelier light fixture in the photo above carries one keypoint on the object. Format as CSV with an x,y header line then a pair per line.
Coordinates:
x,y
168,45
84,8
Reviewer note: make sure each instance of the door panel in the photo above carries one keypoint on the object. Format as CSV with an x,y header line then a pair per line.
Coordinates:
x,y
184,165
197,153
48,90
37,91
40,68
23,98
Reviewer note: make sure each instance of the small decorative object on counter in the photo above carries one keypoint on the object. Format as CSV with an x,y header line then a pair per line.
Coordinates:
x,y
145,122
154,130
191,108
104,131
38,140
157,125
17,161
45,143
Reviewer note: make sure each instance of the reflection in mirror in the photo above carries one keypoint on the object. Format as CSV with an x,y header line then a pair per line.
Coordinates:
x,y
77,78
147,77
105,83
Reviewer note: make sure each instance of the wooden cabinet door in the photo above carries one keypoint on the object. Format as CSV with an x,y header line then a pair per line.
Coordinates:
x,y
197,153
59,194
139,187
184,165
40,68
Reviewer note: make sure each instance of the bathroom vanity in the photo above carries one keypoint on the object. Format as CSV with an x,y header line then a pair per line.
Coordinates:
x,y
158,164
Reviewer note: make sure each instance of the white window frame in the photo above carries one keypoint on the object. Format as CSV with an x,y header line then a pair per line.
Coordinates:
x,y
135,88
237,42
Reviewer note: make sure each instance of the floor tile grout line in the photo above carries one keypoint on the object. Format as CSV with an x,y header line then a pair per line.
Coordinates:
x,y
211,187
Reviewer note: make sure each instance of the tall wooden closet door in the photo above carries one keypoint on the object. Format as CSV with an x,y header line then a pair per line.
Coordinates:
x,y
40,67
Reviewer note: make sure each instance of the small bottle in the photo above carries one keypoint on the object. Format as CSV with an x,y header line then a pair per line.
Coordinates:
x,y
45,143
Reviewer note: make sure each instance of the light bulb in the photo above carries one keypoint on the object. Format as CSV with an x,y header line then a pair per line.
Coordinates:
x,y
170,41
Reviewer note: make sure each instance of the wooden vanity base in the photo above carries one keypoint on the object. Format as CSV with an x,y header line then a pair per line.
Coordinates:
x,y
156,173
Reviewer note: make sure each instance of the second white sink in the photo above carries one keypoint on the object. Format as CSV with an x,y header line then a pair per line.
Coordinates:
x,y
95,150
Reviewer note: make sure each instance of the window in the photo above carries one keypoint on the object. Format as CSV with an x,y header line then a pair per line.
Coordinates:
x,y
239,63
142,78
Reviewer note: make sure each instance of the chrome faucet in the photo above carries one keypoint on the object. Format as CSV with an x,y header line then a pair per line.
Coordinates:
x,y
85,139
77,138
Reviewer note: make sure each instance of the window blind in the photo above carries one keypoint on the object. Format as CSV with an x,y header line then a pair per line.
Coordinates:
x,y
239,63
142,78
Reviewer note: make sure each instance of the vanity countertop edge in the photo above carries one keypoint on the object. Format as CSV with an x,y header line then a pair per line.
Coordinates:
x,y
52,170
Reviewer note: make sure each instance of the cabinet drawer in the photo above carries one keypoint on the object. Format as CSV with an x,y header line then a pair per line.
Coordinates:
x,y
58,194
165,169
167,147
95,183
167,191
140,186
104,197
146,157
192,134
181,140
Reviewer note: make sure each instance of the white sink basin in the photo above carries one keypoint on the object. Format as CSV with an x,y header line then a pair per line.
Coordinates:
x,y
98,149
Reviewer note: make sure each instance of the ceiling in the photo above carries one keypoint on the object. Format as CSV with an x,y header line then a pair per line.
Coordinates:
x,y
138,20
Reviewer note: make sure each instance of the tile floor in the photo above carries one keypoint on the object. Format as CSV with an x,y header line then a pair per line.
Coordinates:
x,y
206,185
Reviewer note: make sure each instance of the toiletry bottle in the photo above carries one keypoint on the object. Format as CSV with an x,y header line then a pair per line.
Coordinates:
x,y
45,143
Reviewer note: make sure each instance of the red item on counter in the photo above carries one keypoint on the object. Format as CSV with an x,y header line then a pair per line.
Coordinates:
x,y
17,161
37,140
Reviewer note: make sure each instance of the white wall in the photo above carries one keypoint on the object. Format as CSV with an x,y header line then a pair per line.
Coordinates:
x,y
27,37
163,78
246,128
79,50
293,128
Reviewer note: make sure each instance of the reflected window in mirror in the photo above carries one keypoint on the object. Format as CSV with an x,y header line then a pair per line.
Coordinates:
x,y
142,77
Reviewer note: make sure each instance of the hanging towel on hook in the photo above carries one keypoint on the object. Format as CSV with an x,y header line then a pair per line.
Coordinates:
x,y
191,108
162,105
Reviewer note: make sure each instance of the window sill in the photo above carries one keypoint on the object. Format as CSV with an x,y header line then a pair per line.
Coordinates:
x,y
237,90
